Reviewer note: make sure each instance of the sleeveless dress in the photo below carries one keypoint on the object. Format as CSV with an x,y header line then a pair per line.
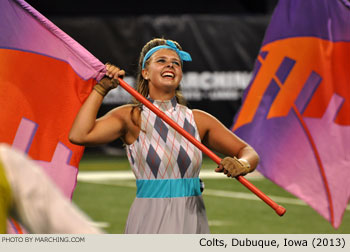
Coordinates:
x,y
166,166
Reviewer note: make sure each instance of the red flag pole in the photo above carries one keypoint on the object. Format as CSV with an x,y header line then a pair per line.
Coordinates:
x,y
278,209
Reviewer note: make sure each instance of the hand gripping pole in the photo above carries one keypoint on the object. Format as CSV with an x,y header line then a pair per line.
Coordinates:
x,y
278,209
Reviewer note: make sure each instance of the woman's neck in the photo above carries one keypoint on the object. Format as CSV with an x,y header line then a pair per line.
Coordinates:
x,y
161,97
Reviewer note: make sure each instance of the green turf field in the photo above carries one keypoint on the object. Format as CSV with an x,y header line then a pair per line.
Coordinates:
x,y
230,206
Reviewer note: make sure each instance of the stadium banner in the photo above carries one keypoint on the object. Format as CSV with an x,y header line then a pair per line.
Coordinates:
x,y
295,111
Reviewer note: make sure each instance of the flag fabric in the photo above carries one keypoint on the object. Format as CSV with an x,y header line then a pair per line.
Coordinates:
x,y
45,76
296,109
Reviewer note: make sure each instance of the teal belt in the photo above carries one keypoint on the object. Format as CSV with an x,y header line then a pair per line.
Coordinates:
x,y
168,188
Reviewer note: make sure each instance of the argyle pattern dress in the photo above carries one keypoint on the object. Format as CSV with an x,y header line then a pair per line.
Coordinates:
x,y
166,167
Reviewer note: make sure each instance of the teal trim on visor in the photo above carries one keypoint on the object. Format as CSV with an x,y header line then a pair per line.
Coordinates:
x,y
168,188
184,56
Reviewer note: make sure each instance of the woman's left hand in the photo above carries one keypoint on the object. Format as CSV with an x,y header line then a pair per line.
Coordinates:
x,y
233,167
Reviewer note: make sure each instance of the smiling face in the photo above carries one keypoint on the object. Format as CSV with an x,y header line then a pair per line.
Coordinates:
x,y
164,73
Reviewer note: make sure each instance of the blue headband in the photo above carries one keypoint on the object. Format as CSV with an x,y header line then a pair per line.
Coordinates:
x,y
184,56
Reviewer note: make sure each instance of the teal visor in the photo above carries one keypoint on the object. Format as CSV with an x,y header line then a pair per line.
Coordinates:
x,y
184,56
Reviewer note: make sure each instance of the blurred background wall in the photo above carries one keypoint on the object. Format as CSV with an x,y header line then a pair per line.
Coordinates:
x,y
223,38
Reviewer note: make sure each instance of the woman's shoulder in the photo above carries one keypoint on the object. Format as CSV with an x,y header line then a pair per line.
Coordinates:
x,y
125,108
203,118
126,111
201,114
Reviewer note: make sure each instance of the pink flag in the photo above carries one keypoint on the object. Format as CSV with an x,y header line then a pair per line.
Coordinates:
x,y
45,76
295,111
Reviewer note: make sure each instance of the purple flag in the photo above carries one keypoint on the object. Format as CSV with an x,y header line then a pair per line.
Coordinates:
x,y
296,109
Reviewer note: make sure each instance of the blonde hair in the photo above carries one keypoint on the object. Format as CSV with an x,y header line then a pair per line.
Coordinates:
x,y
141,83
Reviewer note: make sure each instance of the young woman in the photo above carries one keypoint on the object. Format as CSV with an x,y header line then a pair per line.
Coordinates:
x,y
165,164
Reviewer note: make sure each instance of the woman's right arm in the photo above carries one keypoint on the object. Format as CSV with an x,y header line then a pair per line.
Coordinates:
x,y
86,129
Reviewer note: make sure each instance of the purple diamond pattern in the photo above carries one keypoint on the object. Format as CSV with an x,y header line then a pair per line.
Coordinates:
x,y
189,128
183,161
153,161
161,128
131,157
